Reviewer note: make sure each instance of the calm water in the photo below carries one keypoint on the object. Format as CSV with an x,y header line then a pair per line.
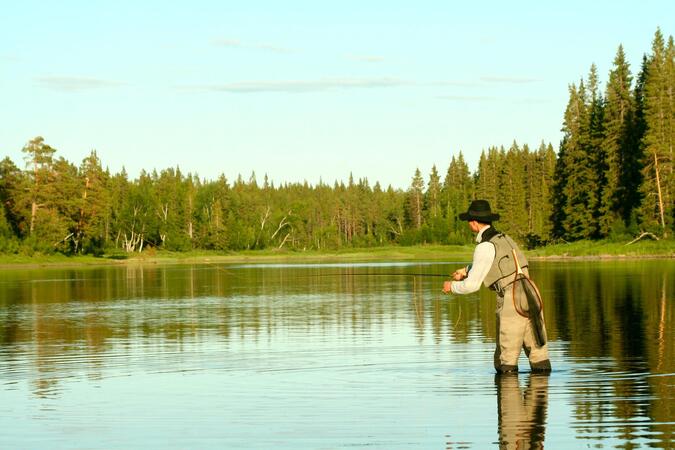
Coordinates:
x,y
329,357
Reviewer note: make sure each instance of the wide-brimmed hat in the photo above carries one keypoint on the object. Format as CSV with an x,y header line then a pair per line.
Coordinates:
x,y
479,210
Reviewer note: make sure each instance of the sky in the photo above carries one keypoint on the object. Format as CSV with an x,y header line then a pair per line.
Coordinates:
x,y
303,90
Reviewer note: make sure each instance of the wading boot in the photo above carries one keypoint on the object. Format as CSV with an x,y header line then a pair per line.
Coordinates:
x,y
507,369
541,366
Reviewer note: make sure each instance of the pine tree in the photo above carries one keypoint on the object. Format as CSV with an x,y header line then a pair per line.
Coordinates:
x,y
618,117
596,153
416,200
488,176
559,191
656,210
10,181
437,228
580,185
670,125
65,206
39,161
91,230
547,160
457,193
634,156
512,193
433,194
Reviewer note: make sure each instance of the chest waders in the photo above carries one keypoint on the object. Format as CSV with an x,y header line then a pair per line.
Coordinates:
x,y
509,271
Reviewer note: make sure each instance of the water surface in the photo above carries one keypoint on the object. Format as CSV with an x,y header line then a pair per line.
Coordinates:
x,y
328,357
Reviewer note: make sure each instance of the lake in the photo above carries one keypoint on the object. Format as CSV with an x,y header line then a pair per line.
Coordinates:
x,y
329,356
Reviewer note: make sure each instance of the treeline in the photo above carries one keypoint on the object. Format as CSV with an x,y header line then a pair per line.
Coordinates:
x,y
53,205
613,177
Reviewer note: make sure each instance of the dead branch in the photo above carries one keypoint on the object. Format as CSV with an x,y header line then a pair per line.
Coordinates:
x,y
643,235
63,240
284,241
282,223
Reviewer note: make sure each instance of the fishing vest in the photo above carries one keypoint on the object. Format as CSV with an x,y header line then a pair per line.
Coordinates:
x,y
503,267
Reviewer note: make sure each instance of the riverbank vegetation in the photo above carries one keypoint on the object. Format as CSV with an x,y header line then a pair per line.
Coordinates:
x,y
612,179
446,253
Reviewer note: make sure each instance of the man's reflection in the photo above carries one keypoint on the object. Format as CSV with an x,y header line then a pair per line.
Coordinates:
x,y
522,412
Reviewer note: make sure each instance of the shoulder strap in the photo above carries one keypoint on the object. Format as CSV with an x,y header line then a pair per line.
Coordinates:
x,y
489,234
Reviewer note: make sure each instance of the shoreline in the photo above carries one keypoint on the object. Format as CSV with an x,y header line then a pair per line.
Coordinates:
x,y
426,253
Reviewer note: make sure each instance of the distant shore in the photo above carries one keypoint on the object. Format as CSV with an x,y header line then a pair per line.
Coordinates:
x,y
586,250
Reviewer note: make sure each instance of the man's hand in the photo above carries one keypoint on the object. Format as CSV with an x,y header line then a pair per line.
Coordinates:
x,y
447,287
459,274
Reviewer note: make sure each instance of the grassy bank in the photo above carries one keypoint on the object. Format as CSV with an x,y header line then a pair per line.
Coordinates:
x,y
391,253
582,249
606,249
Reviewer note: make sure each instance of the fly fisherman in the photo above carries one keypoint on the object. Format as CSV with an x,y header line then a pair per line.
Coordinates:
x,y
495,266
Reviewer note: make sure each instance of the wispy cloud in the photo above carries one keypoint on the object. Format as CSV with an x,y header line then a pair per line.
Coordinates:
x,y
236,43
478,98
76,84
508,80
301,86
453,83
366,58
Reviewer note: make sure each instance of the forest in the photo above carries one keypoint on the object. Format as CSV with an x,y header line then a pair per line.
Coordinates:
x,y
611,178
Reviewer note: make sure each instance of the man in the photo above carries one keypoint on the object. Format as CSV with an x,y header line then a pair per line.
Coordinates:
x,y
494,265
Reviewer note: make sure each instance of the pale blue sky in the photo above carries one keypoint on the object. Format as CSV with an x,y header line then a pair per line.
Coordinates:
x,y
302,89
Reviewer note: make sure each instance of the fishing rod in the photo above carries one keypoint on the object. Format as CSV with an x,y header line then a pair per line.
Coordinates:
x,y
338,274
400,274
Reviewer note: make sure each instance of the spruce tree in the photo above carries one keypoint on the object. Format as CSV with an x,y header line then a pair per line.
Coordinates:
x,y
11,181
512,193
595,151
415,200
90,234
559,191
656,210
457,193
618,116
433,194
580,185
488,176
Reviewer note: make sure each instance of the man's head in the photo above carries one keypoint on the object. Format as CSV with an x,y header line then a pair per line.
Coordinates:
x,y
479,215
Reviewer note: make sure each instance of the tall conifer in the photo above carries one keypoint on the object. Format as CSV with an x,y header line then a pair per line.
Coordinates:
x,y
619,111
416,200
656,210
580,185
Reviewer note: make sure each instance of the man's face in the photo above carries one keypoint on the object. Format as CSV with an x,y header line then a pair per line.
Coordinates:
x,y
474,226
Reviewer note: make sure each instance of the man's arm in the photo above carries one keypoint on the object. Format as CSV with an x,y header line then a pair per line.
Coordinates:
x,y
483,256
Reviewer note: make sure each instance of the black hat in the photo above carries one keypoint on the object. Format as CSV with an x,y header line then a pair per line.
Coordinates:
x,y
479,210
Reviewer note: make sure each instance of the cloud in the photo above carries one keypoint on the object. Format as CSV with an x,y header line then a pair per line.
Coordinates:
x,y
508,80
453,83
76,84
236,43
301,86
469,98
366,58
